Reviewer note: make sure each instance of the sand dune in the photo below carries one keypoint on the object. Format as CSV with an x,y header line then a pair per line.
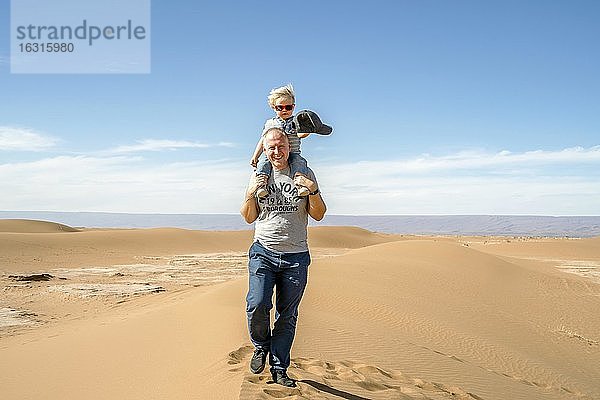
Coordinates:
x,y
158,350
443,312
32,226
347,237
547,248
391,318
20,253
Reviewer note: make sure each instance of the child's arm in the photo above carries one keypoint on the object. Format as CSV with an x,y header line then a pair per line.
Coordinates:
x,y
302,135
257,152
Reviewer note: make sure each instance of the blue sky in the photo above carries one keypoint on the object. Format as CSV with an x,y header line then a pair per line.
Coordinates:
x,y
438,107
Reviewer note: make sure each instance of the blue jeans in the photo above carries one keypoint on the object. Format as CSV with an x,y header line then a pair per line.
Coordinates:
x,y
288,273
295,160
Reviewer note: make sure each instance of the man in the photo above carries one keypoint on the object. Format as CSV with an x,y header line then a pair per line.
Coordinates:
x,y
279,256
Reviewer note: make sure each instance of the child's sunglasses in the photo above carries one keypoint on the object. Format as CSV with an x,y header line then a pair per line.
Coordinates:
x,y
287,107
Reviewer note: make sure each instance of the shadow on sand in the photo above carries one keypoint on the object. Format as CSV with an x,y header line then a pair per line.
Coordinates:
x,y
330,390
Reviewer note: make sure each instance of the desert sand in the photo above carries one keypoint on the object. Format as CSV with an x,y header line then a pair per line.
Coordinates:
x,y
159,314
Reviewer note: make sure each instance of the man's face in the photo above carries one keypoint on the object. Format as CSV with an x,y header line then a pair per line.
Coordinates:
x,y
277,149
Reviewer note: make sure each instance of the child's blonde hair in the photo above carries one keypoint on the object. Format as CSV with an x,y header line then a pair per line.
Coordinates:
x,y
286,91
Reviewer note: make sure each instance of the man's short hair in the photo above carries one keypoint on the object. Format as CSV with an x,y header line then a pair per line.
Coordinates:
x,y
276,129
273,130
286,91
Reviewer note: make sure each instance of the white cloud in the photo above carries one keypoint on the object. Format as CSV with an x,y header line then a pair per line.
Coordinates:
x,y
480,160
123,184
24,139
452,184
163,144
468,183
462,195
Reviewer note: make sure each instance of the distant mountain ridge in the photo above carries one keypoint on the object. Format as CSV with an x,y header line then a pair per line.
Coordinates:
x,y
484,225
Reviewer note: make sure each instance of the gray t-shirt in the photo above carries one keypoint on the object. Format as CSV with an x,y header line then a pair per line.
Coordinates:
x,y
283,216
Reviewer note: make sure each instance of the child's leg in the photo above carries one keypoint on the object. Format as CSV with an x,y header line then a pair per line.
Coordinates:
x,y
298,165
264,166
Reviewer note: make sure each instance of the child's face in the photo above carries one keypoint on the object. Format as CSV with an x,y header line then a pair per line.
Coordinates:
x,y
284,107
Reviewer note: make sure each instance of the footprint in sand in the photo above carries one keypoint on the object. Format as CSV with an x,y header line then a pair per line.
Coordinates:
x,y
237,357
319,379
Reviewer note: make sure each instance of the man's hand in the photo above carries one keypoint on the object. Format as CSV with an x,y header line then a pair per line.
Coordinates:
x,y
256,182
315,205
302,180
250,208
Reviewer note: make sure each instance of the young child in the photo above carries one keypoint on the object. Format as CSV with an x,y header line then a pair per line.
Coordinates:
x,y
282,101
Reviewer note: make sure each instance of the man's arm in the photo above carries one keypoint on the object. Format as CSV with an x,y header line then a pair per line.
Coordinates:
x,y
249,208
315,205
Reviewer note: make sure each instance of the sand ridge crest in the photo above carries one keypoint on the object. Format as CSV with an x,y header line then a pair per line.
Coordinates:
x,y
33,226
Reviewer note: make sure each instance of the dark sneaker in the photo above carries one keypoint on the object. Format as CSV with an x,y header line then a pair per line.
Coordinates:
x,y
258,360
280,377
